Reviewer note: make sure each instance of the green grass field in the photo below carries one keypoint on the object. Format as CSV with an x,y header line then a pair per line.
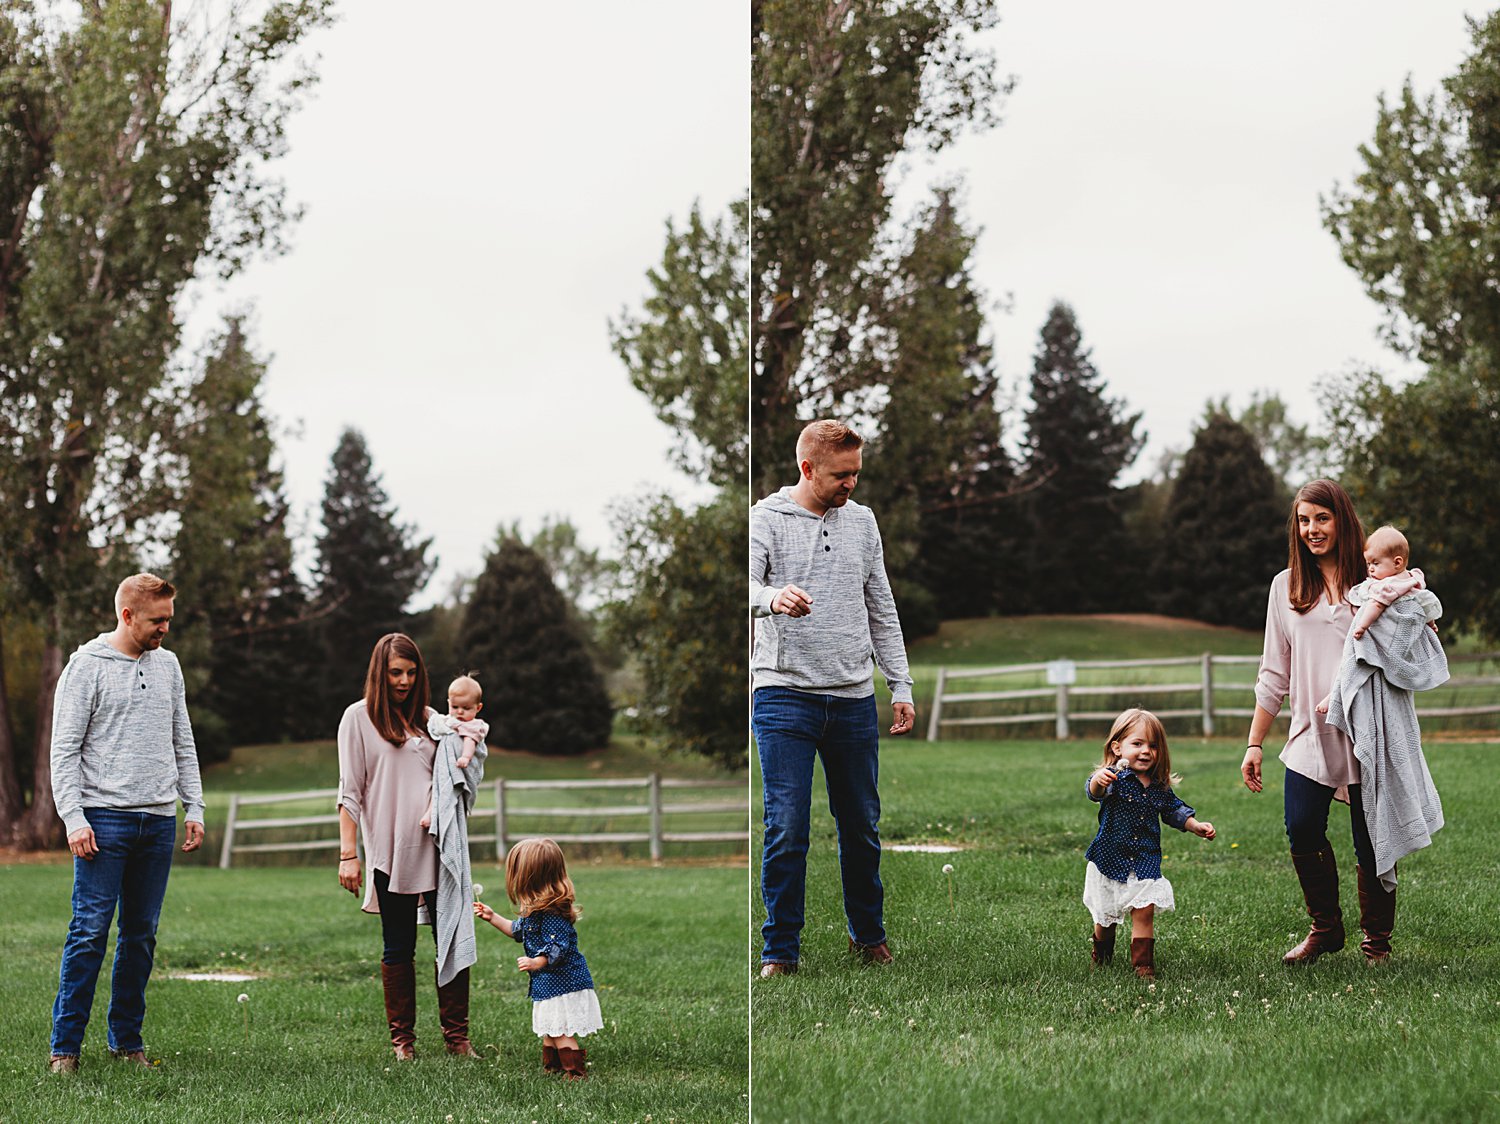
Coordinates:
x,y
991,1011
662,943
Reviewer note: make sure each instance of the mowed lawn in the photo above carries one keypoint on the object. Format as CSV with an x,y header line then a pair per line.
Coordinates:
x,y
663,945
991,1011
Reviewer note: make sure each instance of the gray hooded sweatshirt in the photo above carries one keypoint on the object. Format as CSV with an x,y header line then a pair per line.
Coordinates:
x,y
121,737
838,559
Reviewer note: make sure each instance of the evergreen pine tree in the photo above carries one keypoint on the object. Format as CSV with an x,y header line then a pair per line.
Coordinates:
x,y
1078,441
1224,534
240,603
542,691
369,566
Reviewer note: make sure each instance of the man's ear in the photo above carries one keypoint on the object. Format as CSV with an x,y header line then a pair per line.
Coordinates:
x,y
805,468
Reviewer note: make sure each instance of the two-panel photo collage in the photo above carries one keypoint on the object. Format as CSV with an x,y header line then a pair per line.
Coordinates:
x,y
821,561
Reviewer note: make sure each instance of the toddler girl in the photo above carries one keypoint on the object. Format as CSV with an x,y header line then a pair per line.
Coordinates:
x,y
564,1006
1134,790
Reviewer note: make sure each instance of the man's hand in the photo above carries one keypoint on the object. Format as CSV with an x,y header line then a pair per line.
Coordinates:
x,y
83,844
792,600
906,717
193,833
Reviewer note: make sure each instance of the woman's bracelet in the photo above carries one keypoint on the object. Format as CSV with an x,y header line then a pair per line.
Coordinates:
x,y
1252,745
348,858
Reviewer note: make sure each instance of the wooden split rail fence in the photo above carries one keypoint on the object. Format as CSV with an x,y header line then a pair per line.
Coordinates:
x,y
1065,696
654,810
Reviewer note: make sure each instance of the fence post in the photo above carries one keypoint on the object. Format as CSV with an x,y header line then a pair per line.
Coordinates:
x,y
501,846
224,853
1062,712
937,705
653,783
1208,694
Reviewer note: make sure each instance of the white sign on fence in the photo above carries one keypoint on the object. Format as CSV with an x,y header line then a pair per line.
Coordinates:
x,y
1062,673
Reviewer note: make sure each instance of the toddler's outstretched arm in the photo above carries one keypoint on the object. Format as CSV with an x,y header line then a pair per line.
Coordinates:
x,y
1199,827
485,913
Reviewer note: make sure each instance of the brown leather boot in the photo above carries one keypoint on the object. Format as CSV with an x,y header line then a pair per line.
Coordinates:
x,y
1104,947
400,983
551,1063
453,1013
1377,917
1143,957
573,1062
1319,875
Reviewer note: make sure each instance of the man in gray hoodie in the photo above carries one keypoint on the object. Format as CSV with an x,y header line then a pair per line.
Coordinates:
x,y
823,604
122,756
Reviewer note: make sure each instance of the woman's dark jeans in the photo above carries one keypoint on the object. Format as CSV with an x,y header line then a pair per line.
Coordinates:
x,y
1306,803
398,919
792,728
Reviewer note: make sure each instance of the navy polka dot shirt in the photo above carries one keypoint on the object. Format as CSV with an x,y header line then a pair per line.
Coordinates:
x,y
552,935
1129,837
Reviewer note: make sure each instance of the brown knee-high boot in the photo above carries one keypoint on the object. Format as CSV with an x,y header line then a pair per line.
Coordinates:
x,y
400,983
453,1013
1319,874
1377,916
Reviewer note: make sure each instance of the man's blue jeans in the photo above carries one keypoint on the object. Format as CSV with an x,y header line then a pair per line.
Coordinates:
x,y
130,870
791,727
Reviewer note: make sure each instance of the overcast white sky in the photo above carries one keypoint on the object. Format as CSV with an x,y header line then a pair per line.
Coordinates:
x,y
1159,168
486,186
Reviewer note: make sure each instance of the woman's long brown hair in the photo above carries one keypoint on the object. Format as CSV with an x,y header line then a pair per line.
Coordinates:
x,y
395,721
1306,586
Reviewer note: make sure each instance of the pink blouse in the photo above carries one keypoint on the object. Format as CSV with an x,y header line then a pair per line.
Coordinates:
x,y
1302,655
385,789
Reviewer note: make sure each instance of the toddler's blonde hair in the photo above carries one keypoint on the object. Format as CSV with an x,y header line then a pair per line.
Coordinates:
x,y
536,879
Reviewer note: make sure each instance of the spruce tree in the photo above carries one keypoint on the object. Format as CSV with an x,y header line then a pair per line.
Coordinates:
x,y
522,642
1224,534
369,566
1077,442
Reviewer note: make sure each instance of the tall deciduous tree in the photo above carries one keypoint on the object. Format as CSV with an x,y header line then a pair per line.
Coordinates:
x,y
1078,442
1224,534
541,689
1420,225
132,153
681,580
369,567
839,90
686,350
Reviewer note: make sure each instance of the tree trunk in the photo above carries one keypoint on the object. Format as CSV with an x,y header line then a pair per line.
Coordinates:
x,y
11,804
40,828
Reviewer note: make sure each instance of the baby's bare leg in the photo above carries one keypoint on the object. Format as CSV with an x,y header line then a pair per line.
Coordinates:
x,y
1368,614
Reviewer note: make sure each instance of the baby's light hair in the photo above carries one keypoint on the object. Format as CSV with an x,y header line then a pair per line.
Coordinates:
x,y
1156,737
536,879
137,589
466,687
1389,542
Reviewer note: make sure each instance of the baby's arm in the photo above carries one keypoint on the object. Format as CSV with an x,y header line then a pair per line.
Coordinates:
x,y
468,753
485,913
1368,614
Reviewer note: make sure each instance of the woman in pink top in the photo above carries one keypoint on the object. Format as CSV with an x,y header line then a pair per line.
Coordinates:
x,y
385,778
1307,620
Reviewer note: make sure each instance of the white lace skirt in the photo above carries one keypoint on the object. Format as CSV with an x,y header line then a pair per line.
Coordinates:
x,y
574,1014
1111,902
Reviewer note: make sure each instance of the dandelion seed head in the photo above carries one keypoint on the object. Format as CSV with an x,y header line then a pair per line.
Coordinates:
x,y
242,998
947,868
478,890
